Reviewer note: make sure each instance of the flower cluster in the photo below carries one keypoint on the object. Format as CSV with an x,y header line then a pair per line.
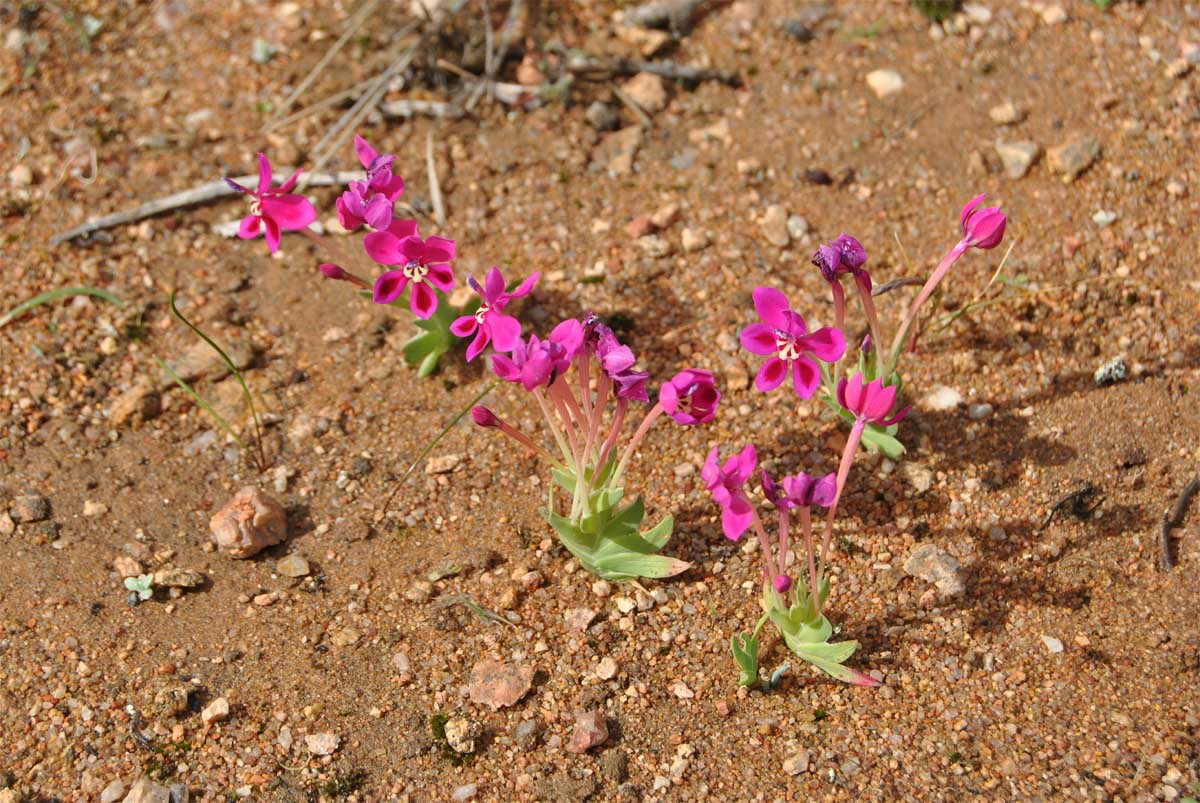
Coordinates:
x,y
584,380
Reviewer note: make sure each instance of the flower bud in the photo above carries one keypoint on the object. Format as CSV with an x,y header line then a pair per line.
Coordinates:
x,y
484,417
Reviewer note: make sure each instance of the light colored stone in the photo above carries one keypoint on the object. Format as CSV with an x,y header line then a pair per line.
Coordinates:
x,y
648,91
607,668
942,399
113,792
499,685
590,731
1054,14
917,475
146,791
1052,644
461,734
885,83
797,763
126,566
93,509
443,464
293,565
250,522
616,151
345,637
933,564
681,690
1073,157
216,711
179,578
138,404
1017,157
693,240
578,619
322,744
773,226
1007,113
20,176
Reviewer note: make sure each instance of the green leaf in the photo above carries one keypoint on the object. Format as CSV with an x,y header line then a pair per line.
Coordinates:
x,y
880,440
745,653
661,533
55,295
631,565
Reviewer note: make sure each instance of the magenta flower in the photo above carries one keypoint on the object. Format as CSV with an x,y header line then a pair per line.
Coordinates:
x,y
484,417
616,359
982,228
489,323
691,397
871,402
273,209
423,263
539,362
784,337
801,490
370,200
843,255
725,482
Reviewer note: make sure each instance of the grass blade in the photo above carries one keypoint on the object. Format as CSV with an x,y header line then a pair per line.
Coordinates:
x,y
196,397
55,295
233,369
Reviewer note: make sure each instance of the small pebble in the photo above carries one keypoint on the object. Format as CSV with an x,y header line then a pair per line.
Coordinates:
x,y
1052,644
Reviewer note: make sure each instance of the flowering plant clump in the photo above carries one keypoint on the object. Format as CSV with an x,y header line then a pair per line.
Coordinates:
x,y
584,381
416,271
866,399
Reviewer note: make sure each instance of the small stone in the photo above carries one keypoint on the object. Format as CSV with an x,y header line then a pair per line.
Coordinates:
x,y
693,240
293,565
1176,188
171,700
978,412
918,476
465,792
401,663
606,669
885,83
250,522
112,792
797,226
578,619
665,216
8,526
499,685
461,734
616,152
655,247
1072,158
345,637
625,604
942,399
419,592
138,404
29,508
1007,113
1017,157
527,734
590,730
1112,372
443,464
216,711
322,744
1052,644
285,738
93,509
1103,218
1178,68
774,226
146,791
179,578
933,564
126,566
796,764
20,176
648,91
1054,15
602,116
681,690
977,14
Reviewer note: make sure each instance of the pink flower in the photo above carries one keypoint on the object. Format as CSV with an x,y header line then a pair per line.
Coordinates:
x,y
616,359
484,417
422,262
690,397
801,490
783,336
539,362
844,255
273,209
871,402
725,482
489,323
982,228
370,200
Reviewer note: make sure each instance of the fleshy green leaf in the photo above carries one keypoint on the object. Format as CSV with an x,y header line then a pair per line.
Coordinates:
x,y
631,565
745,653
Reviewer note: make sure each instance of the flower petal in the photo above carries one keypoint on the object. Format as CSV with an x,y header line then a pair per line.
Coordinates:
x,y
827,344
806,377
264,173
290,212
378,212
248,229
493,285
759,338
271,229
771,375
401,228
288,185
505,330
524,288
736,518
711,471
505,368
464,326
441,277
423,301
969,209
347,217
366,154
771,304
478,344
389,286
383,247
438,249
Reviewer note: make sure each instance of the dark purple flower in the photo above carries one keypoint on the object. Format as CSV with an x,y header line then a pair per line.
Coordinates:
x,y
691,397
489,323
423,263
725,482
843,255
783,335
370,200
616,359
982,228
539,362
273,209
801,490
871,402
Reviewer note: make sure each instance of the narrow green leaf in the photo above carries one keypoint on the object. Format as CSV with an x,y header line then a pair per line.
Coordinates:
x,y
204,405
633,565
55,295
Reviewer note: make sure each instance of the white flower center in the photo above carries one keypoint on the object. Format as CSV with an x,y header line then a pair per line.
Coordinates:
x,y
788,348
255,207
481,313
415,272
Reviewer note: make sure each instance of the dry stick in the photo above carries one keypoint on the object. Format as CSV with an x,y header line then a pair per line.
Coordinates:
x,y
580,63
354,92
894,284
352,27
435,187
411,108
197,195
1174,519
675,15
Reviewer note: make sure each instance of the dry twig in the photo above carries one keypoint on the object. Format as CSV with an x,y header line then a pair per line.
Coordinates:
x,y
1174,519
435,186
593,68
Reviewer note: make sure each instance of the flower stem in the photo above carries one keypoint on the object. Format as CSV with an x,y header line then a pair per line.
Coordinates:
x,y
932,282
843,471
765,543
813,580
554,430
642,429
783,539
864,292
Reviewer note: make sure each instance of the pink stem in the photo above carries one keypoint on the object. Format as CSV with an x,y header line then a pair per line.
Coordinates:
x,y
765,543
642,429
617,422
813,580
523,439
839,303
864,292
927,290
783,539
585,382
843,471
